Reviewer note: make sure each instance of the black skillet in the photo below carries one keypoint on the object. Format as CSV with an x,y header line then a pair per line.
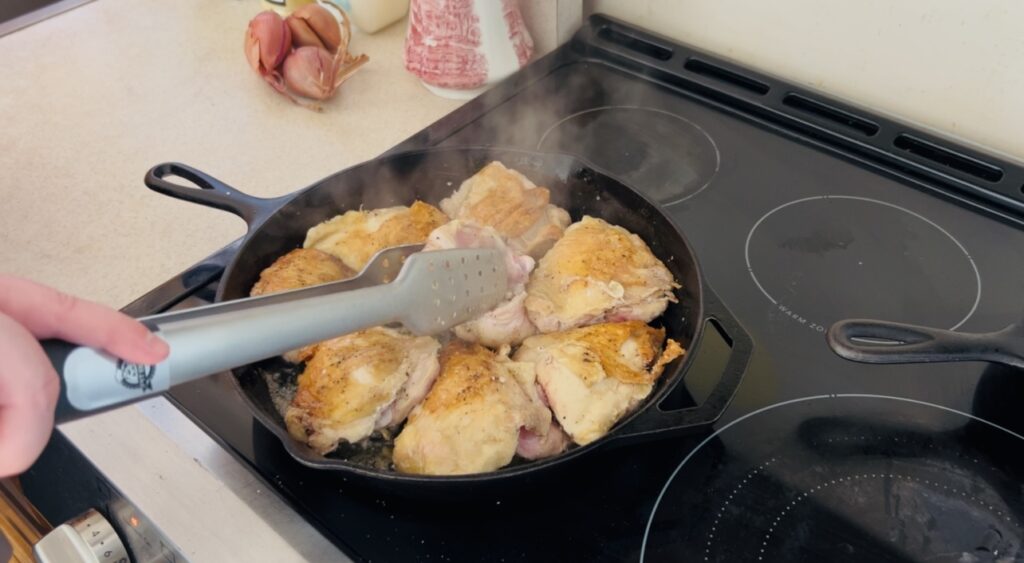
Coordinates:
x,y
278,225
881,342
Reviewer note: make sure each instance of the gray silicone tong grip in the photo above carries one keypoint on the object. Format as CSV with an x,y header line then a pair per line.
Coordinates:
x,y
215,338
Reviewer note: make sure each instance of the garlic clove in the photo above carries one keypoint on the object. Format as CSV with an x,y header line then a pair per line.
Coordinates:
x,y
267,42
309,71
252,52
313,26
303,35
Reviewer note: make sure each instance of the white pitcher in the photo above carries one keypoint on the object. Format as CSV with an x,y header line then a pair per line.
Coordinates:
x,y
459,48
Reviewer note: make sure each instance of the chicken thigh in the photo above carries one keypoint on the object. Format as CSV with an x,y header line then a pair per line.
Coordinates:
x,y
359,383
302,267
597,272
356,236
482,409
507,323
595,375
514,206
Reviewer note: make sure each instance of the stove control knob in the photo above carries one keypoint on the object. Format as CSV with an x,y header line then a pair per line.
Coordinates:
x,y
88,538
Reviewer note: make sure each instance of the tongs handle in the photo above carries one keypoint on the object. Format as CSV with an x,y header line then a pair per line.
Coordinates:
x,y
214,338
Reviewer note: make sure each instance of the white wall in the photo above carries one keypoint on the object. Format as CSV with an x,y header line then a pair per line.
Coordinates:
x,y
953,66
551,22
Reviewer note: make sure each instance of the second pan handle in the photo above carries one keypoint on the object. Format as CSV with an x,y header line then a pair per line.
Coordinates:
x,y
881,342
210,192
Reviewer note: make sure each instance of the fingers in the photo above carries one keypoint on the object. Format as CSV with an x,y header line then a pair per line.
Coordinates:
x,y
48,313
28,395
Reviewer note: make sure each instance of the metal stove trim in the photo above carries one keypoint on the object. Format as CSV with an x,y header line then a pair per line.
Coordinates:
x,y
38,15
283,534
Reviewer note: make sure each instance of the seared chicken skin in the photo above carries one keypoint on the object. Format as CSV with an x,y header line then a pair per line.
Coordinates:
x,y
302,267
507,323
356,236
360,383
593,376
482,409
514,206
595,273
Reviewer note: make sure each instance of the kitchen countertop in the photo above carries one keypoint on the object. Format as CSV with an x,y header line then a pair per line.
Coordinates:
x,y
90,100
93,98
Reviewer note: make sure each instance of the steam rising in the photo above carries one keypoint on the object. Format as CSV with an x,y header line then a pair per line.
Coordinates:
x,y
517,124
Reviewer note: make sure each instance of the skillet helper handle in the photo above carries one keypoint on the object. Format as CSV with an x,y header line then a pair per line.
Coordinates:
x,y
896,343
655,422
211,192
215,338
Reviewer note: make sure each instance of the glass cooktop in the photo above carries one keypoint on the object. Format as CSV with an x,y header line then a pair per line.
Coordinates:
x,y
817,458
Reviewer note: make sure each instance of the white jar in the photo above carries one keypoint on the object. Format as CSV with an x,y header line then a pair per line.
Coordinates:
x,y
371,16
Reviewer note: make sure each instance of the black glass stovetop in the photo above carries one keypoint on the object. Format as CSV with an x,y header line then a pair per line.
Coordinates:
x,y
801,215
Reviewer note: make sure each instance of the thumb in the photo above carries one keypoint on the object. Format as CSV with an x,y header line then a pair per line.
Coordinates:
x,y
28,395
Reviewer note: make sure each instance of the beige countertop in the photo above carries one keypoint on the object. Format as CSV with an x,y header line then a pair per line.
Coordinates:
x,y
93,98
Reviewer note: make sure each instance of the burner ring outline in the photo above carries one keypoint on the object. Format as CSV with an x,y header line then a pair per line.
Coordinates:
x,y
712,436
970,259
767,536
710,140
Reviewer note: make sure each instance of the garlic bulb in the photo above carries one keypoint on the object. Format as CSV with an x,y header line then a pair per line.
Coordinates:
x,y
305,55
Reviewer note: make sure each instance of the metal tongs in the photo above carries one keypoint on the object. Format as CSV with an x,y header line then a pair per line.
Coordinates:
x,y
427,292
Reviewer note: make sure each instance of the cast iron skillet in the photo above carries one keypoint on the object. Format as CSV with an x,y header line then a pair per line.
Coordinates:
x,y
278,225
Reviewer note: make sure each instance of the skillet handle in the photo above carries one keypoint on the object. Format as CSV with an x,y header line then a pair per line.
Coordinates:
x,y
654,421
213,192
896,343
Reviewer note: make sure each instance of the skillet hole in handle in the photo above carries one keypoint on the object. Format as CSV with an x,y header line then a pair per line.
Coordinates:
x,y
873,341
882,333
209,191
700,378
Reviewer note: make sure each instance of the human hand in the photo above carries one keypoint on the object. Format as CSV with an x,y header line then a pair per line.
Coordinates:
x,y
29,386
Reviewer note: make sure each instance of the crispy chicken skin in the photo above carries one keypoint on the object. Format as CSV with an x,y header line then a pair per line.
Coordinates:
x,y
302,267
513,205
595,375
507,323
595,273
474,416
580,297
355,236
359,383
